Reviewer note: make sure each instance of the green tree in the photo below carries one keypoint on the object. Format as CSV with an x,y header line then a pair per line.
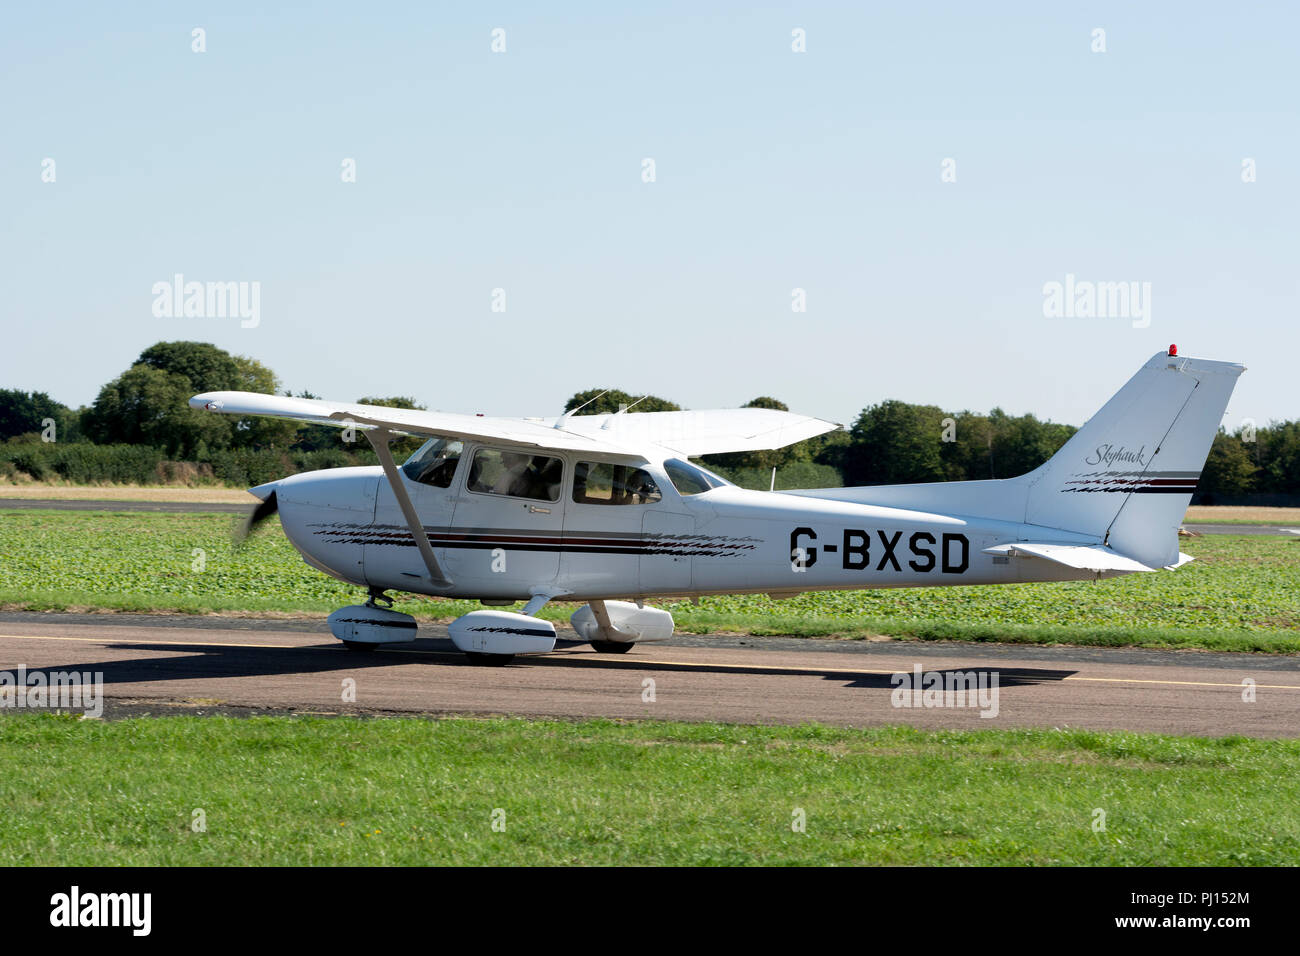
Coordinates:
x,y
397,401
1278,453
150,406
1228,468
895,443
149,403
830,449
765,401
1022,444
968,447
23,413
206,367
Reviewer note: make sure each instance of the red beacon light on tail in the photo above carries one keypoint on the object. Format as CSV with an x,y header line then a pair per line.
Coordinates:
x,y
1173,350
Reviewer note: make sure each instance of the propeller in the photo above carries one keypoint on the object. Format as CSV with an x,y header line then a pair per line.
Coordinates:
x,y
264,510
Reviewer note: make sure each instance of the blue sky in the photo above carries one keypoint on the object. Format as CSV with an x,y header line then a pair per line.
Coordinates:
x,y
774,170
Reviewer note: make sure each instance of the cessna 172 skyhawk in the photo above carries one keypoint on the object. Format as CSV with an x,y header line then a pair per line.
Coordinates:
x,y
599,508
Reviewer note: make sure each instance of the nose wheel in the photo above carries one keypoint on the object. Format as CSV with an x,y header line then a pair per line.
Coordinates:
x,y
365,627
378,600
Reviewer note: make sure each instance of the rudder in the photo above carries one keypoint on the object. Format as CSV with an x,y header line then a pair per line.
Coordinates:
x,y
1127,476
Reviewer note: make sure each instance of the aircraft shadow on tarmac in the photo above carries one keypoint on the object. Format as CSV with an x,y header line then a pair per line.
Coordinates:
x,y
982,676
206,661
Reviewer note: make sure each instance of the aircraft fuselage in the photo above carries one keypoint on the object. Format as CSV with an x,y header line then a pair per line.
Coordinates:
x,y
724,540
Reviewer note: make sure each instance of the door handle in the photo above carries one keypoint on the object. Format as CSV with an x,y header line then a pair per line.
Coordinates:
x,y
539,511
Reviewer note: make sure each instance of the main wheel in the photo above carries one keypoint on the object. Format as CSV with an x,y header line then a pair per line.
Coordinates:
x,y
364,647
489,660
612,647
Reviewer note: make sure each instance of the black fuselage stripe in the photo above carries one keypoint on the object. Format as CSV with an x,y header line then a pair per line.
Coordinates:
x,y
683,546
410,625
1129,491
559,548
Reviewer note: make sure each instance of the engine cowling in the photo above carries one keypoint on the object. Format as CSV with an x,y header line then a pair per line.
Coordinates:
x,y
359,624
501,632
629,623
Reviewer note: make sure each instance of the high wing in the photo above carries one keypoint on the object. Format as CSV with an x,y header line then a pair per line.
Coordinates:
x,y
701,433
682,433
399,420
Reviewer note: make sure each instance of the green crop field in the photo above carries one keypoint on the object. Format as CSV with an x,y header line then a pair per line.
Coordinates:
x,y
1242,592
297,790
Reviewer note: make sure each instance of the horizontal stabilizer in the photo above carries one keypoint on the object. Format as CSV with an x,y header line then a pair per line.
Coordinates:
x,y
1084,557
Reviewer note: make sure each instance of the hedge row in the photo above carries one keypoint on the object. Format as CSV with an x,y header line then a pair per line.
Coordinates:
x,y
84,463
795,474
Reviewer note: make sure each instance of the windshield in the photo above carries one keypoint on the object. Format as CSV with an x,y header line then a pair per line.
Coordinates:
x,y
434,462
690,479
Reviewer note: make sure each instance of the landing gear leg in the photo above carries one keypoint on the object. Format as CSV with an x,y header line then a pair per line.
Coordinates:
x,y
615,627
607,627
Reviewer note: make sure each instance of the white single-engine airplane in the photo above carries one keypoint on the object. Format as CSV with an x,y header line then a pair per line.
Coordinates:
x,y
605,507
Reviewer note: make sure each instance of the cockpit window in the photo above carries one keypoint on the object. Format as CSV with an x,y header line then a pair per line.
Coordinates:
x,y
434,462
601,483
690,480
516,474
716,480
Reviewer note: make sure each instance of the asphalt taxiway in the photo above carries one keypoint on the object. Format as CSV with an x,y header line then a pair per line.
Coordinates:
x,y
171,664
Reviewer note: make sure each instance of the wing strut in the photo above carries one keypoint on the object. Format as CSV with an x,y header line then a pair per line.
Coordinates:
x,y
379,439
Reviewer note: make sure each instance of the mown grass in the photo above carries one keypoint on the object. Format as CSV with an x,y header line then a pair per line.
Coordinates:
x,y
1240,594
1191,525
299,790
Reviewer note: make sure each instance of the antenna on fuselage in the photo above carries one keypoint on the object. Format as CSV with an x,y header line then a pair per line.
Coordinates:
x,y
575,411
624,408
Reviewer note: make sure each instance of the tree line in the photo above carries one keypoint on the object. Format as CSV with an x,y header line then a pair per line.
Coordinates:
x,y
141,429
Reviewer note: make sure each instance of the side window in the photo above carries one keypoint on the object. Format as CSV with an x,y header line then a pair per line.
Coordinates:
x,y
689,480
515,474
434,462
601,483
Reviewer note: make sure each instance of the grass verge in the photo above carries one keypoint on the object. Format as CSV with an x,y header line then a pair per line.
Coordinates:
x,y
300,790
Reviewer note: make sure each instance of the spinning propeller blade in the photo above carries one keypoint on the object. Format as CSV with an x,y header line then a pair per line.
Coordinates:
x,y
255,517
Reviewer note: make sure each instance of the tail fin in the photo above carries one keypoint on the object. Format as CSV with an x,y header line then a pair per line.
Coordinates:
x,y
1126,477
